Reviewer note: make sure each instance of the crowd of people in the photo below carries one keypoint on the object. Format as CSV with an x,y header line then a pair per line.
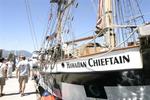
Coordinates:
x,y
24,69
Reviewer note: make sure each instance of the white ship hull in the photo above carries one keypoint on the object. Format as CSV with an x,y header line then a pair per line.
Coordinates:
x,y
127,70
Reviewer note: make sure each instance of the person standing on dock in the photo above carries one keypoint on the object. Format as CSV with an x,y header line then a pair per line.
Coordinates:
x,y
34,67
3,67
10,68
23,72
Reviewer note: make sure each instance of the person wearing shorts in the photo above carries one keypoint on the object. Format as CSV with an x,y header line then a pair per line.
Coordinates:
x,y
2,75
22,72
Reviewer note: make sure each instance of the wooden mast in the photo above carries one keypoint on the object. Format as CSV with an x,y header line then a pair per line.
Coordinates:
x,y
107,25
109,35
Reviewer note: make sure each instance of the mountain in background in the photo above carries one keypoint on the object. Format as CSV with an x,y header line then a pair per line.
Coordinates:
x,y
5,53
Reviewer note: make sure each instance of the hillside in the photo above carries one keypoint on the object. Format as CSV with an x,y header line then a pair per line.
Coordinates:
x,y
16,52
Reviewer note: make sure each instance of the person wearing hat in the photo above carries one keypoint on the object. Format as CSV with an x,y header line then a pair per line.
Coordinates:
x,y
3,67
23,72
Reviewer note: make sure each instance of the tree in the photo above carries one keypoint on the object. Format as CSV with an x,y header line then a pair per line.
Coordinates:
x,y
1,52
11,56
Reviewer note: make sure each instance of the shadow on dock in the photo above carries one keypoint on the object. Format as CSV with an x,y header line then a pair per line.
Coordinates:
x,y
27,93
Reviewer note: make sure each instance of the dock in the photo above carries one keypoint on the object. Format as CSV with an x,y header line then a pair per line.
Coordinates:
x,y
11,90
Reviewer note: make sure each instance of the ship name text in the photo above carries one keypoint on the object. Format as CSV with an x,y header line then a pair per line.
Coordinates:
x,y
91,62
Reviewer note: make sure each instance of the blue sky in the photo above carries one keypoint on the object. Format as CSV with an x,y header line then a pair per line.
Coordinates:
x,y
14,26
15,32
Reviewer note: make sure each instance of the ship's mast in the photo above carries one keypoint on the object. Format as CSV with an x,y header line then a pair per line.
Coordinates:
x,y
63,5
58,31
109,35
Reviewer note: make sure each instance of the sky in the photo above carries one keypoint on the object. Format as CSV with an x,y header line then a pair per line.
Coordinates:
x,y
15,33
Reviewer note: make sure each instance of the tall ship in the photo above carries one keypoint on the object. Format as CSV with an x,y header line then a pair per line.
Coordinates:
x,y
112,63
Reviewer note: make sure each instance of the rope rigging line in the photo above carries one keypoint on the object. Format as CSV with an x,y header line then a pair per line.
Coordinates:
x,y
50,26
46,33
67,25
94,4
33,28
140,11
31,25
52,60
121,20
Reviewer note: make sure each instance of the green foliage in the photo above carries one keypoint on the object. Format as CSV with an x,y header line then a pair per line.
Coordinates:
x,y
1,51
11,56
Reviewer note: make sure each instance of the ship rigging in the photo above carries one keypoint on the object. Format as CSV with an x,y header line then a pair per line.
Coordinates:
x,y
115,54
